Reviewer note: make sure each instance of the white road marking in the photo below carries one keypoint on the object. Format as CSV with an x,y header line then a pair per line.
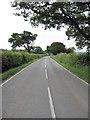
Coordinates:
x,y
45,65
51,104
46,74
14,75
73,74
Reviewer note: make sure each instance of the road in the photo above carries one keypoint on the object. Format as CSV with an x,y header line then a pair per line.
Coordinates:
x,y
44,90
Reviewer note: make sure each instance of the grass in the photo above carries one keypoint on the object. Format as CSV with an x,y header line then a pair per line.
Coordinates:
x,y
80,71
7,74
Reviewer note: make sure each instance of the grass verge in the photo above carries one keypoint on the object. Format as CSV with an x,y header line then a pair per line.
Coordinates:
x,y
80,71
7,74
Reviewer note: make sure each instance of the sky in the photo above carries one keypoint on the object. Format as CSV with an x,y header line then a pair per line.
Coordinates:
x,y
13,24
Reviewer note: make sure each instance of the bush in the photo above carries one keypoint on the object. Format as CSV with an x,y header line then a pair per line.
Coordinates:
x,y
79,64
73,59
83,59
12,59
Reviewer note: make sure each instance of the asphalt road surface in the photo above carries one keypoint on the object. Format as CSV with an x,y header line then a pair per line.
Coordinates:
x,y
44,90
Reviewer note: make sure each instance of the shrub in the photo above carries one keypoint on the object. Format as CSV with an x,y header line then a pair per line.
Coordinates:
x,y
73,59
79,64
12,59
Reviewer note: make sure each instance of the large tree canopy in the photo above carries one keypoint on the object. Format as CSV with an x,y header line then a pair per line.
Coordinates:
x,y
24,39
38,50
56,47
75,15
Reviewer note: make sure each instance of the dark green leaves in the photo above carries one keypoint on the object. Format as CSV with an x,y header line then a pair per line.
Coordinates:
x,y
76,15
56,47
24,39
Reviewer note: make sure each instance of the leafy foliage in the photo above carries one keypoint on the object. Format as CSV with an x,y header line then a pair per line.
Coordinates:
x,y
38,50
76,63
11,59
75,15
70,50
24,39
57,47
74,59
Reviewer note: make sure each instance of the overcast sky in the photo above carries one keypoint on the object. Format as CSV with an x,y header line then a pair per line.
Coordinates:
x,y
10,24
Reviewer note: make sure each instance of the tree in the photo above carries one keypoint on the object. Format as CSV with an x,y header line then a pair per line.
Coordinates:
x,y
70,50
38,50
57,47
48,50
75,15
25,39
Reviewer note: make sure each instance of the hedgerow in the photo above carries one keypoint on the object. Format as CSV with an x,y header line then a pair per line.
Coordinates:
x,y
11,59
73,59
76,63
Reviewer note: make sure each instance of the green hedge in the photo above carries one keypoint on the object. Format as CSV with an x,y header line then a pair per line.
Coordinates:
x,y
76,63
73,59
11,59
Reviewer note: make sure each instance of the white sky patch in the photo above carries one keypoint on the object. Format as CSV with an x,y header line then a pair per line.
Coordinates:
x,y
10,24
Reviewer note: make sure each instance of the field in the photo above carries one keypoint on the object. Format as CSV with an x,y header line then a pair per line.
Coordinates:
x,y
76,63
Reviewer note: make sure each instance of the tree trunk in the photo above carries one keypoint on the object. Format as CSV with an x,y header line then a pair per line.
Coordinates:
x,y
27,49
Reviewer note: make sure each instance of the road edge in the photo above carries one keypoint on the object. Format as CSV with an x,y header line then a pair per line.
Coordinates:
x,y
16,74
73,73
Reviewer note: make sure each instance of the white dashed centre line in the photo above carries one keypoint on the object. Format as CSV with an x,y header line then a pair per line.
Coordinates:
x,y
45,65
46,74
51,105
50,98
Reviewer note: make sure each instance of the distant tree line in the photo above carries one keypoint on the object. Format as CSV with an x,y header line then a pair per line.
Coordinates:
x,y
26,40
58,47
